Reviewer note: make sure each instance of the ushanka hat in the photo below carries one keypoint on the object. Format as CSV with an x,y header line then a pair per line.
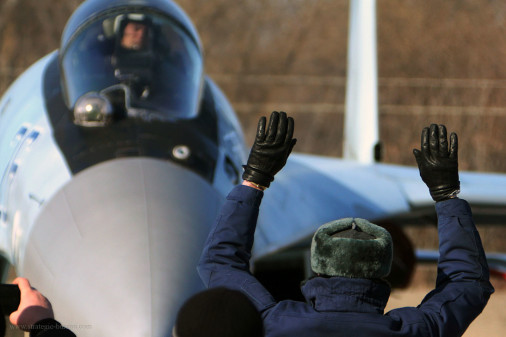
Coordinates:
x,y
351,247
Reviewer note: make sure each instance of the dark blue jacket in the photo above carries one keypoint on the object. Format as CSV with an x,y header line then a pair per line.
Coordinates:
x,y
340,306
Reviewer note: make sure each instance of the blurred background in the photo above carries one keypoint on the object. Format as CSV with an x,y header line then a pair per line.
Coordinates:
x,y
439,62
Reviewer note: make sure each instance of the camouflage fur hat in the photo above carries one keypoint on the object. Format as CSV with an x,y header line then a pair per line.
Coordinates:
x,y
352,247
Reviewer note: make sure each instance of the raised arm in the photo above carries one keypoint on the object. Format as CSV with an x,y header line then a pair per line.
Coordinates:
x,y
227,252
462,286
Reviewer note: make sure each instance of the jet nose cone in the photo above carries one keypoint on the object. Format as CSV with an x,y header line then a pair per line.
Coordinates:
x,y
116,249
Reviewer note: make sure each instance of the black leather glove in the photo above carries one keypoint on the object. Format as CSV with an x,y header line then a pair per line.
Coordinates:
x,y
437,163
270,150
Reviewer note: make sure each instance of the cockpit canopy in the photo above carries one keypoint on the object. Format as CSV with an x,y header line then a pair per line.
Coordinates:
x,y
145,64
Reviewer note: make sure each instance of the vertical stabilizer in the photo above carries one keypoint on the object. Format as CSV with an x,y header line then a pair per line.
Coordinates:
x,y
361,119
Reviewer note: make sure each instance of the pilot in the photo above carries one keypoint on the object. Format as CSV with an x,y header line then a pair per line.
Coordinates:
x,y
35,313
350,257
134,36
133,57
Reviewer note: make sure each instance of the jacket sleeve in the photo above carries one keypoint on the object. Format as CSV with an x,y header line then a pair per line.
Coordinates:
x,y
225,260
462,285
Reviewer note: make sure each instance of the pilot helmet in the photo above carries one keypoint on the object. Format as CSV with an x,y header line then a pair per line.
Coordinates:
x,y
132,30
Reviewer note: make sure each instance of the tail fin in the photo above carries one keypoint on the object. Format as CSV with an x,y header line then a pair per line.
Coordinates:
x,y
361,139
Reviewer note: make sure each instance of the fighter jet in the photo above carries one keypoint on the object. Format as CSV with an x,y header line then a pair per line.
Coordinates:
x,y
116,152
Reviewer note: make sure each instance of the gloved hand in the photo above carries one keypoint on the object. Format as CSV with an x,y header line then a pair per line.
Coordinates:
x,y
437,163
270,150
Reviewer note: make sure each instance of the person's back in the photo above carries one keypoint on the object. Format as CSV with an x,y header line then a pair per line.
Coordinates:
x,y
348,296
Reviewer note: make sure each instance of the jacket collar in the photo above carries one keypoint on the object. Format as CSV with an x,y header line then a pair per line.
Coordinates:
x,y
347,294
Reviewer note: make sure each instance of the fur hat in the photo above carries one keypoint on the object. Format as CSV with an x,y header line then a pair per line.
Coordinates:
x,y
351,247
